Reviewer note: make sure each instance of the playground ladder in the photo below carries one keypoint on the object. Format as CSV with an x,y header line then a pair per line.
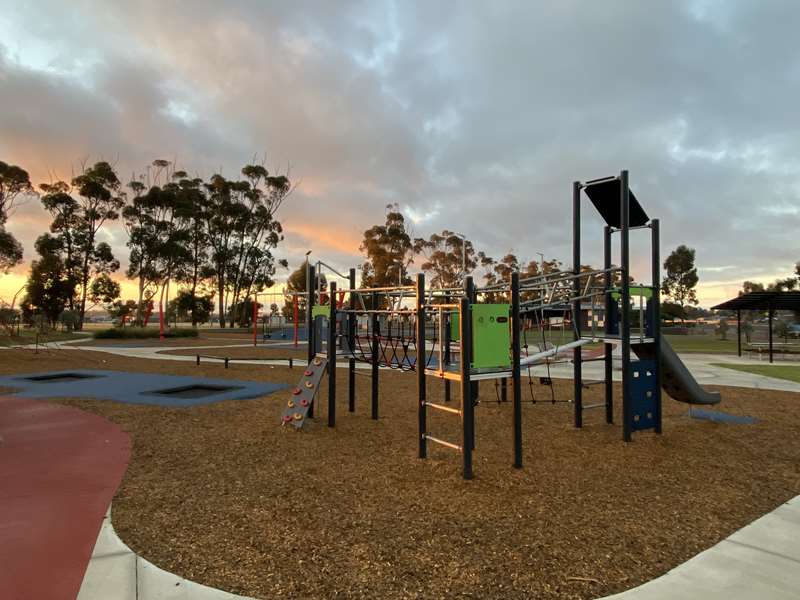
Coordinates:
x,y
447,409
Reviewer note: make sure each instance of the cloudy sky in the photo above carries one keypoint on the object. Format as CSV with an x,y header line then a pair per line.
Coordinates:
x,y
473,116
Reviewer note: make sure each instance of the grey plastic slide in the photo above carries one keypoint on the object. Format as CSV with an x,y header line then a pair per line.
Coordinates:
x,y
676,379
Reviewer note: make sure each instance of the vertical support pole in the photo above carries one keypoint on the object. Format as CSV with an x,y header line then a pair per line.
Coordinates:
x,y
469,291
255,320
624,313
445,316
769,318
467,406
655,313
608,355
332,358
198,360
504,389
576,304
375,338
296,318
351,341
739,331
422,409
515,370
311,295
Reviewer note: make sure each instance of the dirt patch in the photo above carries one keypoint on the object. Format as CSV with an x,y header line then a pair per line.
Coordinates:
x,y
222,495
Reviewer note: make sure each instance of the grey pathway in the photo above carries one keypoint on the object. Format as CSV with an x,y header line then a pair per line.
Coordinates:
x,y
115,572
761,560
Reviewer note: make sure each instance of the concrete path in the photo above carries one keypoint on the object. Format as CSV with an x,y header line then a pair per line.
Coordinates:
x,y
115,572
761,560
700,365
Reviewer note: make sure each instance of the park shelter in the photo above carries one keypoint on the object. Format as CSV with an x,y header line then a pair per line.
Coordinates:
x,y
761,301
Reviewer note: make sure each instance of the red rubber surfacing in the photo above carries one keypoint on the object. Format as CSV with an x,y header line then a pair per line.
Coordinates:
x,y
59,469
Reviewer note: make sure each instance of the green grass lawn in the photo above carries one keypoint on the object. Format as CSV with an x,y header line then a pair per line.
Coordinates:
x,y
28,336
787,372
702,343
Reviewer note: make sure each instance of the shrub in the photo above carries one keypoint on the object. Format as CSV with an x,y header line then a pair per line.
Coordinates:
x,y
143,333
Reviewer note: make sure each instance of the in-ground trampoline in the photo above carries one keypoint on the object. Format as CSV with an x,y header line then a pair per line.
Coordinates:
x,y
135,388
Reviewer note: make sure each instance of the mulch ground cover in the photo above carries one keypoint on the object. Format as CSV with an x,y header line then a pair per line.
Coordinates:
x,y
223,495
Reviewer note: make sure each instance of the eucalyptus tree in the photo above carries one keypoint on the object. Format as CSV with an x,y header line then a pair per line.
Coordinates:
x,y
15,184
242,232
448,256
79,210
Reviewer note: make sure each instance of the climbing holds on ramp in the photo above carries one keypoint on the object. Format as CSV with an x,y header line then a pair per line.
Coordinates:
x,y
298,405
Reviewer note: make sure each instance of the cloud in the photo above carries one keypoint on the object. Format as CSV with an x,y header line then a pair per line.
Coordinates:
x,y
473,119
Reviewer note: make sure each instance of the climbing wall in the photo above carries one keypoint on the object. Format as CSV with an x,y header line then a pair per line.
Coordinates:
x,y
303,395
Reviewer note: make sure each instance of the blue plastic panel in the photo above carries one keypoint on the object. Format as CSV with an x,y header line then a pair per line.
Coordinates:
x,y
643,394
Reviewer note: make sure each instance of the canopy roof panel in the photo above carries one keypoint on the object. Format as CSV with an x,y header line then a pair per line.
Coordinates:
x,y
604,194
762,301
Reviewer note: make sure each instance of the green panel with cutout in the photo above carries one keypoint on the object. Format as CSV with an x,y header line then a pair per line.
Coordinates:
x,y
491,336
320,310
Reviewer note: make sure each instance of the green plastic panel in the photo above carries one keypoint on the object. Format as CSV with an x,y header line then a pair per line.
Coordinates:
x,y
320,310
491,336
636,290
455,328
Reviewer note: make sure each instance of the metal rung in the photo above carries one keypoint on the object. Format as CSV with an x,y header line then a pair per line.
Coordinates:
x,y
592,383
594,406
449,409
443,442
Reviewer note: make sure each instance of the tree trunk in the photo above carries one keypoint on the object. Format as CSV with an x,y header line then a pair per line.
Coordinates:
x,y
221,301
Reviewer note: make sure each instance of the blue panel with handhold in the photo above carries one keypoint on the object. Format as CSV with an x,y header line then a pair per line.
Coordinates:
x,y
643,394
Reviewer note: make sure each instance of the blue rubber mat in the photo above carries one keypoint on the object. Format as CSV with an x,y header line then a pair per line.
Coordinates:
x,y
720,417
135,388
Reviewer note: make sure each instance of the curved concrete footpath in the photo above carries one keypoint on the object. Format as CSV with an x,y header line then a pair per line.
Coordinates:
x,y
115,572
761,560
700,365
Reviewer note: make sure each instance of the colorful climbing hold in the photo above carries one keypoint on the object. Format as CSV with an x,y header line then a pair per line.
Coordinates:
x,y
290,404
309,384
308,373
296,391
298,416
287,418
303,402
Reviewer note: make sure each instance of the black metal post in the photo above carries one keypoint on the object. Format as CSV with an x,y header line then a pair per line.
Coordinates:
x,y
469,291
608,355
504,389
769,318
422,409
624,313
311,288
351,341
445,316
576,305
655,229
375,338
515,370
332,357
739,331
467,406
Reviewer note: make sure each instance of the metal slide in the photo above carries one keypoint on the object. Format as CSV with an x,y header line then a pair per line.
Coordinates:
x,y
676,379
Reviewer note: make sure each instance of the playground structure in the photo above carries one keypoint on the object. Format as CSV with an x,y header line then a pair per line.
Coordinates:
x,y
464,335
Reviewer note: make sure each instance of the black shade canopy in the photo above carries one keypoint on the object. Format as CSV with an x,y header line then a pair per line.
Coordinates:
x,y
604,194
762,301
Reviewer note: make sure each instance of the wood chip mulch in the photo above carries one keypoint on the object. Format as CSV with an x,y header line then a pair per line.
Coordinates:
x,y
222,495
